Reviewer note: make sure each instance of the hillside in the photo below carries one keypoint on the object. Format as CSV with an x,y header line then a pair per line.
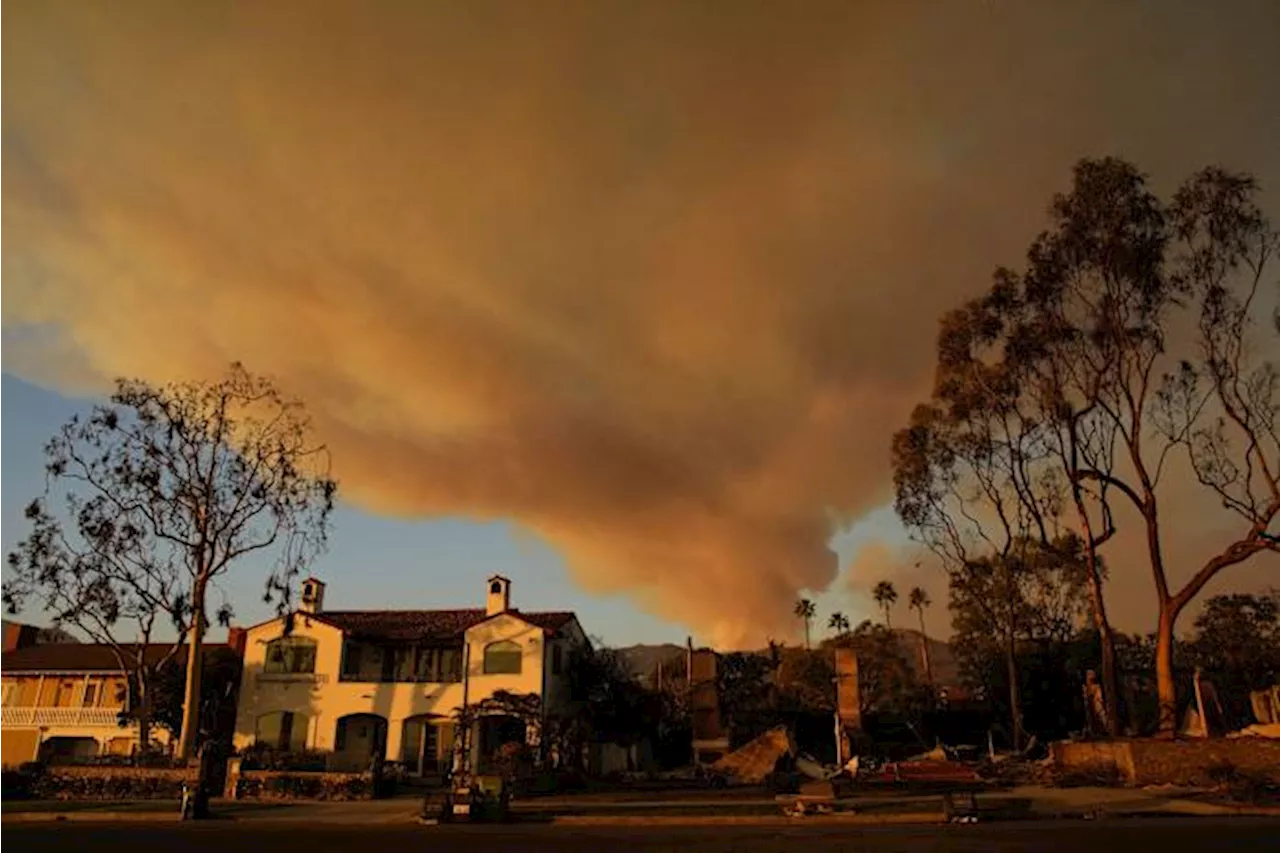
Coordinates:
x,y
946,670
643,659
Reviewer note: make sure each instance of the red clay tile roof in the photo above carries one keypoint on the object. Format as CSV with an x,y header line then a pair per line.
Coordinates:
x,y
424,624
82,657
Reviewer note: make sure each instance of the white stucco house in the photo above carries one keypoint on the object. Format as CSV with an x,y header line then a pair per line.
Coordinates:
x,y
357,683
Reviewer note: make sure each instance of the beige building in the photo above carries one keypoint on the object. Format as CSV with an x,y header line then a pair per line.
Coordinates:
x,y
360,683
62,701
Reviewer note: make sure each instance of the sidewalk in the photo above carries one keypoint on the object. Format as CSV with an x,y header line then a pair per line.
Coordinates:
x,y
1025,803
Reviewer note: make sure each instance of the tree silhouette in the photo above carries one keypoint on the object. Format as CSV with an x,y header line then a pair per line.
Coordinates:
x,y
838,623
918,600
806,611
1130,338
886,596
193,477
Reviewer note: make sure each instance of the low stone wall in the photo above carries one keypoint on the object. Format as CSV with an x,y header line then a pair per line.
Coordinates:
x,y
1163,762
109,782
1101,759
1192,762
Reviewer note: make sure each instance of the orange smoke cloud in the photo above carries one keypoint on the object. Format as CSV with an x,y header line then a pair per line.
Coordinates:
x,y
656,281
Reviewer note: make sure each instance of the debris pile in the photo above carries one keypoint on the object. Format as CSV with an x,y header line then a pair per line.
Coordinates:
x,y
756,761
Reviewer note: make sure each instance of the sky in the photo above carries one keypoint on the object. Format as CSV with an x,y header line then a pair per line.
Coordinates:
x,y
622,300
377,562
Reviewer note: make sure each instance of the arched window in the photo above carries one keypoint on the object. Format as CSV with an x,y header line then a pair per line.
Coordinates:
x,y
291,655
503,657
283,730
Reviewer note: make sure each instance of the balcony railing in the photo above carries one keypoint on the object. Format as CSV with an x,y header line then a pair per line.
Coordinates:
x,y
44,716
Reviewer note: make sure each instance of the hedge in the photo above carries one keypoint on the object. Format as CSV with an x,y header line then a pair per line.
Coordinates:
x,y
274,785
110,783
21,784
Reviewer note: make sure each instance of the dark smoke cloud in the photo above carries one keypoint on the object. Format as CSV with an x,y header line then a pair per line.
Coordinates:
x,y
656,280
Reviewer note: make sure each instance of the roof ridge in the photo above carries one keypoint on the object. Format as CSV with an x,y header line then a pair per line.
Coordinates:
x,y
427,610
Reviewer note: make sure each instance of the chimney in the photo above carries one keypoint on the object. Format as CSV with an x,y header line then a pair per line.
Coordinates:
x,y
499,598
19,636
236,639
312,595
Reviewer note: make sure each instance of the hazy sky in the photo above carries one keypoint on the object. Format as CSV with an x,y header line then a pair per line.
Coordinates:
x,y
648,286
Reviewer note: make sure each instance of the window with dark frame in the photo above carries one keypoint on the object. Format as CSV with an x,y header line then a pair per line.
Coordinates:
x,y
291,655
503,658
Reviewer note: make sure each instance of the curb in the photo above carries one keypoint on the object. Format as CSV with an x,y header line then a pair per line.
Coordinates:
x,y
1223,810
90,817
753,820
773,820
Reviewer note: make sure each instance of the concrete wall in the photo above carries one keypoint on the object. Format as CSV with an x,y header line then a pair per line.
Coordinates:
x,y
1177,762
1187,762
1094,757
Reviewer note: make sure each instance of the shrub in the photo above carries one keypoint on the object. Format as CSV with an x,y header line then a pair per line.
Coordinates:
x,y
305,786
21,784
258,757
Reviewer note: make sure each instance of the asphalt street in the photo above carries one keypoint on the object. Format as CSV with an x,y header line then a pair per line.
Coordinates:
x,y
1107,836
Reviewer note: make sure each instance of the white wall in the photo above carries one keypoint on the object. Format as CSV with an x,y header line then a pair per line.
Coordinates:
x,y
324,698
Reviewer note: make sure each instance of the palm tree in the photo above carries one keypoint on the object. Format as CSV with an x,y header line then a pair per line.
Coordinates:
x,y
918,600
838,623
886,596
806,611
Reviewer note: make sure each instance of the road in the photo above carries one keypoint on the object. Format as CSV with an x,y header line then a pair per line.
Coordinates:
x,y
1111,836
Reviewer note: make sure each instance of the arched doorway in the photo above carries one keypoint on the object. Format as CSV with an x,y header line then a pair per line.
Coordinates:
x,y
499,737
426,745
359,738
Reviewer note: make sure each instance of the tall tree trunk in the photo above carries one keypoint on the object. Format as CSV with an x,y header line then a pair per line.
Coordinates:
x,y
924,650
142,714
1166,684
807,644
1097,601
1015,698
1106,638
195,670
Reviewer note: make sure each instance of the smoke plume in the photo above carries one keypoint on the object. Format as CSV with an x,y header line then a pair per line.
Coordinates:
x,y
657,281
